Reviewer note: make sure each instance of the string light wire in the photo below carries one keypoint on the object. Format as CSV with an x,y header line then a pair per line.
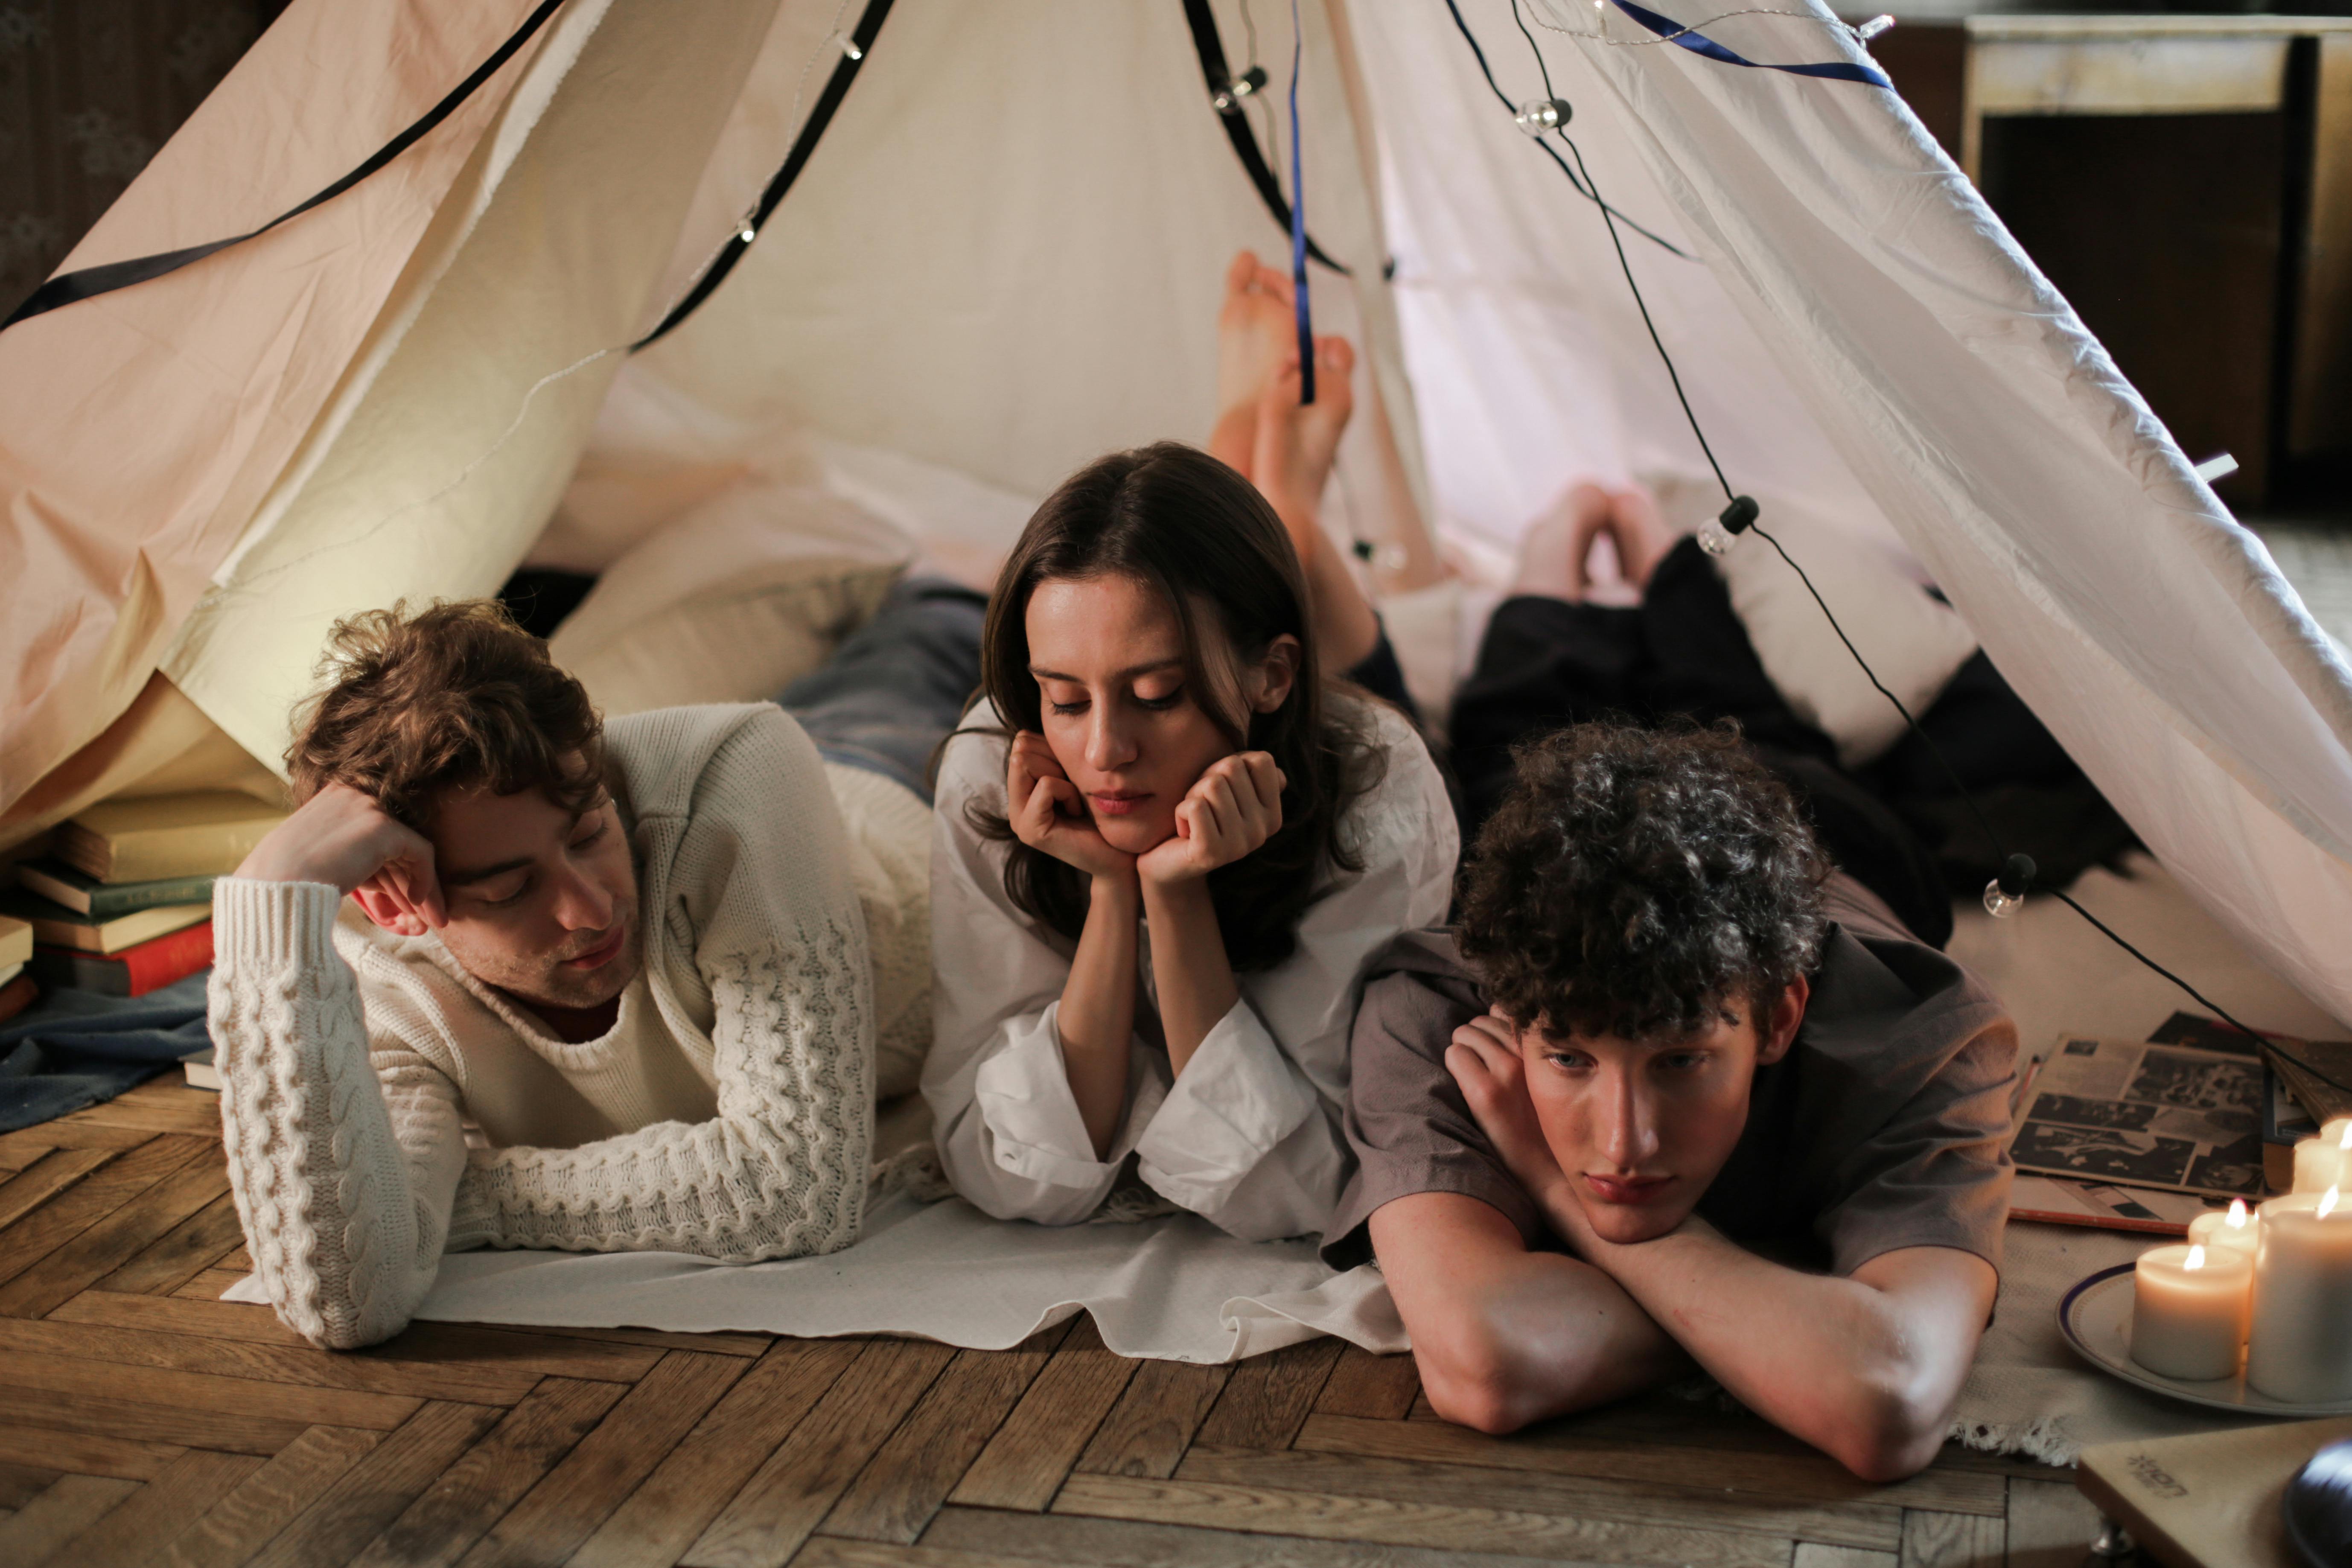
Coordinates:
x,y
1609,216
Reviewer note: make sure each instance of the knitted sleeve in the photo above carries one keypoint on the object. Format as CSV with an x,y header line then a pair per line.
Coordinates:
x,y
760,889
343,1168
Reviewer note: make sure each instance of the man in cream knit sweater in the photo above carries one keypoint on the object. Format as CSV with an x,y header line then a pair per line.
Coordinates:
x,y
603,987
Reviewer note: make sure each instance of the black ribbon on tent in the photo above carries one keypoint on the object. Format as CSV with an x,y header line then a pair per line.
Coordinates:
x,y
1698,43
89,282
1211,47
836,88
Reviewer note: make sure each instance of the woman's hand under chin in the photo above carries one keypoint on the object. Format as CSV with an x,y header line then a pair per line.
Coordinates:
x,y
1049,814
1230,811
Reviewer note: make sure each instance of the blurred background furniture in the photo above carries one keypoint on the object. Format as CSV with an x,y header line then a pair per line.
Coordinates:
x,y
2187,184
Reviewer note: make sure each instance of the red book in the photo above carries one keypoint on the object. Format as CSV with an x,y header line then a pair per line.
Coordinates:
x,y
16,995
133,971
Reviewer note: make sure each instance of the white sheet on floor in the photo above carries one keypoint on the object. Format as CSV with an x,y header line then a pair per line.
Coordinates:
x,y
1172,1288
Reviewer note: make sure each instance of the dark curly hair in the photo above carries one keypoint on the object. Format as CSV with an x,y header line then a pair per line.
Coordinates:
x,y
1635,882
1180,520
453,696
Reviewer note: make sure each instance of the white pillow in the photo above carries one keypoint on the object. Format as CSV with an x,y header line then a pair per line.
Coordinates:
x,y
732,601
1914,641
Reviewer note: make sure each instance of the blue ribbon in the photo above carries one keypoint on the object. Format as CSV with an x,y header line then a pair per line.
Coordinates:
x,y
1298,224
1700,44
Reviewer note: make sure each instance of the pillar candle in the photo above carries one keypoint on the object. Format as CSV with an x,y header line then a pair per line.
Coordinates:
x,y
2188,1310
2325,1161
2300,1346
2234,1230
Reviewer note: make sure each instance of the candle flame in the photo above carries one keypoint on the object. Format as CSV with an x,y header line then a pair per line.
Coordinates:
x,y
2345,1141
2237,1220
2328,1201
2195,1258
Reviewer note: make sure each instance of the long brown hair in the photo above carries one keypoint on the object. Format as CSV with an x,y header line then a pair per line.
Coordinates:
x,y
1178,519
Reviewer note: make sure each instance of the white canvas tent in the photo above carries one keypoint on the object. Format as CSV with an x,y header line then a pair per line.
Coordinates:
x,y
1002,260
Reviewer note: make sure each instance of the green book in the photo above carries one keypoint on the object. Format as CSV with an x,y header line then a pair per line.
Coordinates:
x,y
60,883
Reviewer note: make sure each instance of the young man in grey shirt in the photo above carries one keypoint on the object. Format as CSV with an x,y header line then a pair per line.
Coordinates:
x,y
1680,1094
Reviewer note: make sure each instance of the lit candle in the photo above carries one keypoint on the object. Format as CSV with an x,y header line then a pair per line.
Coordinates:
x,y
2301,1343
2188,1311
2325,1161
2233,1231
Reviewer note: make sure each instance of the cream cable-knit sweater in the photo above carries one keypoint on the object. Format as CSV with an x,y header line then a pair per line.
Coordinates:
x,y
350,1059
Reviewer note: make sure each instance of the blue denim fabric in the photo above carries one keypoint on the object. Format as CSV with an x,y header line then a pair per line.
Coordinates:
x,y
897,684
73,1049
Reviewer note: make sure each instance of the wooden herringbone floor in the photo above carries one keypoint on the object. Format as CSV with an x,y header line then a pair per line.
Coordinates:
x,y
143,1420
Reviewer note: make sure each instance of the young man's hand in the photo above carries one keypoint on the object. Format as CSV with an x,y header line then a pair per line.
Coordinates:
x,y
1485,1062
1230,811
342,838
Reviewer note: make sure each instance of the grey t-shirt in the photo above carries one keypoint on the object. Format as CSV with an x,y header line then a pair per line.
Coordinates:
x,y
1886,1126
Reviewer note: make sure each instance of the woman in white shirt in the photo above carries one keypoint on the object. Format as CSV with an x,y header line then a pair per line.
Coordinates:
x,y
1163,850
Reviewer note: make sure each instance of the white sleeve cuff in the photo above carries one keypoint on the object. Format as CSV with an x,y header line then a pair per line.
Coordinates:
x,y
1235,1099
1022,1093
275,925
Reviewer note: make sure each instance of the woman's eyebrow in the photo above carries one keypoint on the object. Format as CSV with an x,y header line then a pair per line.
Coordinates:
x,y
1131,670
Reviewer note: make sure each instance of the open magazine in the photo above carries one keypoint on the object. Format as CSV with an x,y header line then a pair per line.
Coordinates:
x,y
2130,1136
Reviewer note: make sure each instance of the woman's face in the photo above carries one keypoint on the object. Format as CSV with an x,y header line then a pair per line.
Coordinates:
x,y
1116,705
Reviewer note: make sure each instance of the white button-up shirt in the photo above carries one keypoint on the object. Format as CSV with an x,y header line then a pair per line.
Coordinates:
x,y
1250,1136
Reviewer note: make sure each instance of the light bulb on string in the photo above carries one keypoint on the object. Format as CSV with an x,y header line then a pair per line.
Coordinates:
x,y
2005,894
847,45
1719,533
1873,28
1539,115
1249,84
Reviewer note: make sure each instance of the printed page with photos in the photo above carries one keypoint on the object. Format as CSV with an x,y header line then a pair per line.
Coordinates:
x,y
2162,1116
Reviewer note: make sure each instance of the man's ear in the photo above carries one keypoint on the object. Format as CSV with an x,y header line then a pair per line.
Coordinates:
x,y
1777,1029
1277,673
387,911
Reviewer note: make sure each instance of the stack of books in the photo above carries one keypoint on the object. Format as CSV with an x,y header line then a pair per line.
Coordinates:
x,y
124,902
16,989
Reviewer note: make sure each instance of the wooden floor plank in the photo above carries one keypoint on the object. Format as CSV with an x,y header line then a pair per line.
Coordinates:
x,y
372,1493
1456,1526
1145,1432
20,1484
1808,1475
303,1405
580,1494
97,1415
21,1148
1024,1463
1268,1397
1379,1387
303,1367
36,1532
210,1285
473,1494
780,1506
492,1352
135,1533
894,1496
109,1243
751,1347
661,1517
1066,1538
1813,1554
184,1109
1935,1540
243,1520
33,1238
1875,1526
45,1178
80,1453
834,1551
180,1254
2051,1524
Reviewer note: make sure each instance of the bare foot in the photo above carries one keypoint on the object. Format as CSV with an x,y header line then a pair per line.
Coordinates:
x,y
1553,551
1640,532
1296,443
1256,331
